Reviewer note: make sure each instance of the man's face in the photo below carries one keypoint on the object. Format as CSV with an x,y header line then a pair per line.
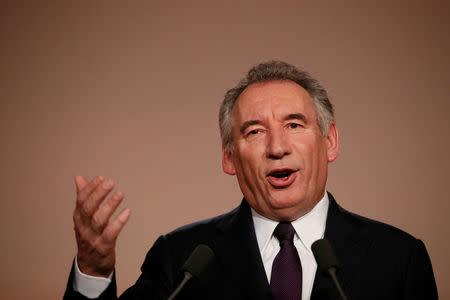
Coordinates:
x,y
279,156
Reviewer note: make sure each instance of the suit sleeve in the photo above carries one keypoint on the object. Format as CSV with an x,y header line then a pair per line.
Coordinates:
x,y
155,282
420,282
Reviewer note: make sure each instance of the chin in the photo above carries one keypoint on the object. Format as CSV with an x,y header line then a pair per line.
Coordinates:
x,y
287,214
288,209
285,199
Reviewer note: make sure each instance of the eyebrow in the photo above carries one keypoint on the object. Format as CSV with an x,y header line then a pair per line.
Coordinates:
x,y
296,116
249,123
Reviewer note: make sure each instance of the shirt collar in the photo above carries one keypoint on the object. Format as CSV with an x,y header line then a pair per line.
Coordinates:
x,y
309,227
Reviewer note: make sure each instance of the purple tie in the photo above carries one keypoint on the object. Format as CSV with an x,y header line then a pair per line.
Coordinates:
x,y
286,279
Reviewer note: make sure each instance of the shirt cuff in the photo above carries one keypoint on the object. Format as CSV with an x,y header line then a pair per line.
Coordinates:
x,y
89,286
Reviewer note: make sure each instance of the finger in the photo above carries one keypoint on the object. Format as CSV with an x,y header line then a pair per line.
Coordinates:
x,y
96,197
80,182
101,216
115,226
84,193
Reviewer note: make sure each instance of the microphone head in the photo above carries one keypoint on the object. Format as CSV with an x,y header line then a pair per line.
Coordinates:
x,y
324,255
199,260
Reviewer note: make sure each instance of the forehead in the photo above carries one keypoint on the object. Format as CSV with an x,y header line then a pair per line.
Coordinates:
x,y
273,98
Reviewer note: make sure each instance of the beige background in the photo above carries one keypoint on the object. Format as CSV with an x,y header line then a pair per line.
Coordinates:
x,y
131,91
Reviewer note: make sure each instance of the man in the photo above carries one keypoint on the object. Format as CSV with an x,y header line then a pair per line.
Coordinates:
x,y
278,136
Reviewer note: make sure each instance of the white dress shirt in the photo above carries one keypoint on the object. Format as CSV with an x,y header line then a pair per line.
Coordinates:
x,y
308,228
89,286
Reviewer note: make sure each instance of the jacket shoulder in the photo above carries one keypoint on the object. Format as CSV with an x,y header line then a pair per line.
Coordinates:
x,y
178,244
202,230
371,251
349,225
377,229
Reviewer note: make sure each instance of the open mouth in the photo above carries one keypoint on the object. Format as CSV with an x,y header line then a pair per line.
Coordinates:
x,y
281,178
281,173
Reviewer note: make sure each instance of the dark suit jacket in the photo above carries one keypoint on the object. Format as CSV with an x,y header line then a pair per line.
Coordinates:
x,y
378,261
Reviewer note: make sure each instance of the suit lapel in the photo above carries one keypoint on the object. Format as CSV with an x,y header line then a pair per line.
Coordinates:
x,y
238,254
350,247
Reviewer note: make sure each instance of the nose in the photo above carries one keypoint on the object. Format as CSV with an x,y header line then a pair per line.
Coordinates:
x,y
278,144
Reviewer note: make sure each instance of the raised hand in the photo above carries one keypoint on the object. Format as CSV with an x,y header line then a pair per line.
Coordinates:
x,y
95,233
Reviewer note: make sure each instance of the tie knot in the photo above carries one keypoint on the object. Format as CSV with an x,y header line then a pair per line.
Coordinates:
x,y
284,232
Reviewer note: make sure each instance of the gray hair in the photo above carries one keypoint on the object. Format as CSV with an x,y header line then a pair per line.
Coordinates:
x,y
268,71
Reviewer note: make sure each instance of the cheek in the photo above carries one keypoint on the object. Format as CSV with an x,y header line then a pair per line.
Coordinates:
x,y
319,162
248,166
250,154
311,155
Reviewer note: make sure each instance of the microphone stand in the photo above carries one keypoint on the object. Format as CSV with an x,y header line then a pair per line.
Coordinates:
x,y
186,278
332,272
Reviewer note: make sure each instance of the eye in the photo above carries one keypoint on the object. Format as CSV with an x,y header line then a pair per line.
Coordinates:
x,y
254,132
295,125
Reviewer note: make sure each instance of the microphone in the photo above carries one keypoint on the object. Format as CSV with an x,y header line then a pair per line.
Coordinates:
x,y
327,261
197,263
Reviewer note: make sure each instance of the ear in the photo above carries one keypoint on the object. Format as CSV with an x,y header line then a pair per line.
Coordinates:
x,y
227,162
332,143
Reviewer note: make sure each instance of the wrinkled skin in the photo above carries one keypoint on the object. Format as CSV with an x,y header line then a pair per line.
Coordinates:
x,y
96,233
275,134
